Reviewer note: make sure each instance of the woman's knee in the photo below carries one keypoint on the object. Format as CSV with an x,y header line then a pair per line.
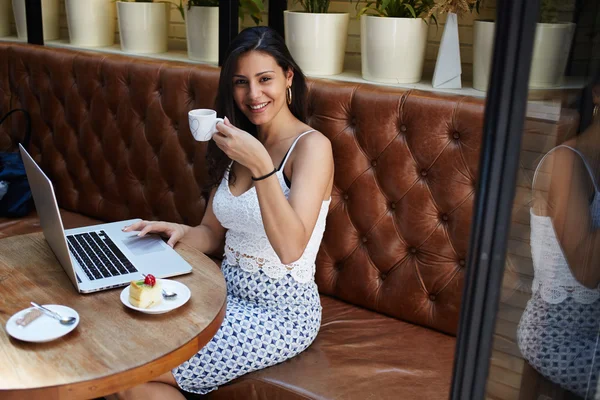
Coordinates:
x,y
167,378
162,387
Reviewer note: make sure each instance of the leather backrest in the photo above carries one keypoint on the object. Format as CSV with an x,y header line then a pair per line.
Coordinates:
x,y
405,176
112,134
7,139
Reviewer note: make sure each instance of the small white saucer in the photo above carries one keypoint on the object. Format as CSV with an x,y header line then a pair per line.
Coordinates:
x,y
44,328
183,295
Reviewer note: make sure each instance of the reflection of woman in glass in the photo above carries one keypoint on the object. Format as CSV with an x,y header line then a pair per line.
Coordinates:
x,y
558,332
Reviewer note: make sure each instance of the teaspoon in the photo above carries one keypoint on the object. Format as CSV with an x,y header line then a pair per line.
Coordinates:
x,y
55,315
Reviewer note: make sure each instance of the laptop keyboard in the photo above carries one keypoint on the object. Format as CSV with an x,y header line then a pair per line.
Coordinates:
x,y
98,255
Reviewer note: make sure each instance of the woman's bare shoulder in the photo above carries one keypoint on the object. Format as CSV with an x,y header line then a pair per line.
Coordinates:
x,y
314,141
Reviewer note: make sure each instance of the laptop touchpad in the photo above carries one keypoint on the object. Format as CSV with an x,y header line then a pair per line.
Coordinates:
x,y
140,246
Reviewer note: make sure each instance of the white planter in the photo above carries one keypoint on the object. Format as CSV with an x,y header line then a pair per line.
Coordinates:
x,y
202,29
6,17
91,23
483,48
392,49
317,42
50,19
550,54
448,71
143,27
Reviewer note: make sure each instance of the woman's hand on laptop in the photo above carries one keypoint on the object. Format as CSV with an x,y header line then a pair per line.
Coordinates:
x,y
168,229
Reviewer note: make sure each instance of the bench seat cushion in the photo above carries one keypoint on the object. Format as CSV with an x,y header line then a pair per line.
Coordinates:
x,y
358,354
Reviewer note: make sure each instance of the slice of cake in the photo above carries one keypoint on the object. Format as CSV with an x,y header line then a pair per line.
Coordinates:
x,y
145,293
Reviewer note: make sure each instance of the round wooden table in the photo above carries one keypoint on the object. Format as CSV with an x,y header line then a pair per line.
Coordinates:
x,y
113,347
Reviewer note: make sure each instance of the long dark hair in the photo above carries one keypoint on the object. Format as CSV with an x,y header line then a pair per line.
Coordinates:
x,y
268,41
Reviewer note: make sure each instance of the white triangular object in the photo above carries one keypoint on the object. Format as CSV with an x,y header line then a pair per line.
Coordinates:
x,y
448,71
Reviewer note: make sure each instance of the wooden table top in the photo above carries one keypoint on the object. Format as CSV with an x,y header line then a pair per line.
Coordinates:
x,y
113,347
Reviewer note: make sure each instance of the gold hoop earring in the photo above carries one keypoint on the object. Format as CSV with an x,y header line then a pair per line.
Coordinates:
x,y
288,95
596,111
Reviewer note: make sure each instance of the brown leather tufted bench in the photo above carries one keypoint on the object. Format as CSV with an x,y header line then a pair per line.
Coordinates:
x,y
112,134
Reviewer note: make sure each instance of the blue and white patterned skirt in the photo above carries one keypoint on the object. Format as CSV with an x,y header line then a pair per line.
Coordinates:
x,y
267,321
561,342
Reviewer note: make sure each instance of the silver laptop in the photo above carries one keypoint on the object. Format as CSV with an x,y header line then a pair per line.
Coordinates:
x,y
101,256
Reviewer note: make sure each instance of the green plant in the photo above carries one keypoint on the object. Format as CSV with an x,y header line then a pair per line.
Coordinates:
x,y
203,3
398,8
314,6
550,10
253,7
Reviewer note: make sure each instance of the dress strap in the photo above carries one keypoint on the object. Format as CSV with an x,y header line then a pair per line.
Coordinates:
x,y
287,155
587,166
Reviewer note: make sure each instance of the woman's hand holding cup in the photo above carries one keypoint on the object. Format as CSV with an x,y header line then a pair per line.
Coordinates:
x,y
242,147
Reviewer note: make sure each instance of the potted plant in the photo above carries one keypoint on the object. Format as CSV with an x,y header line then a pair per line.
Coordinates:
x,y
143,25
6,16
483,47
50,19
394,39
91,23
202,25
552,45
316,37
448,71
551,48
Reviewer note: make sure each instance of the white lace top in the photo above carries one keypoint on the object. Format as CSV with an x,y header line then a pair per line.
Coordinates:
x,y
246,242
552,275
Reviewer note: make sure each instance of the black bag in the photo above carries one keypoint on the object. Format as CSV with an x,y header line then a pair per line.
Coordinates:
x,y
16,201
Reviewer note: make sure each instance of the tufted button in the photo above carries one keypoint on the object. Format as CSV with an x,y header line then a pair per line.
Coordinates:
x,y
364,239
338,266
461,263
444,217
353,121
402,128
176,126
423,172
456,135
432,297
413,250
383,276
345,197
374,163
393,206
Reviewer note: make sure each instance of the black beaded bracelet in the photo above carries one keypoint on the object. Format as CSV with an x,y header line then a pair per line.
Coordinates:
x,y
264,176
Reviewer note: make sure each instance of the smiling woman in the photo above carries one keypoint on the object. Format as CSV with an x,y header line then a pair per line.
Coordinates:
x,y
271,232
257,73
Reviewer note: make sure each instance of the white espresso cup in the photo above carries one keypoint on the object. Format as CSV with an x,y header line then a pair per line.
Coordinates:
x,y
203,123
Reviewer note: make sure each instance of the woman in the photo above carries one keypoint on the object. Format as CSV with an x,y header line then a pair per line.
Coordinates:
x,y
272,177
558,332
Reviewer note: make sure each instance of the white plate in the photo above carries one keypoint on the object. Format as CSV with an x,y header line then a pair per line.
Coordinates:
x,y
183,295
44,328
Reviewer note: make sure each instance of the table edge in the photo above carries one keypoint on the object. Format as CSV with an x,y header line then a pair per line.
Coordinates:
x,y
116,382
